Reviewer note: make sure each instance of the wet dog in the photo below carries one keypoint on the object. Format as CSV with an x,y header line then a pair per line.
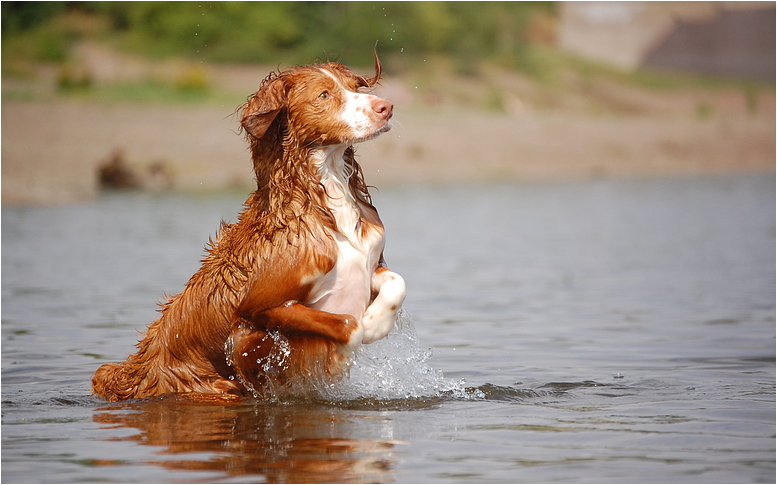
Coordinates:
x,y
289,292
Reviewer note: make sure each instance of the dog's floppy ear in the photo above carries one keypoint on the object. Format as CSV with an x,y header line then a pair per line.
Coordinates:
x,y
263,107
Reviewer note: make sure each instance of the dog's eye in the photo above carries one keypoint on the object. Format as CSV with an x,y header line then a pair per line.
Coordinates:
x,y
324,95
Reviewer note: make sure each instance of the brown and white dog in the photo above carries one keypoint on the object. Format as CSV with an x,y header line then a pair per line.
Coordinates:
x,y
287,293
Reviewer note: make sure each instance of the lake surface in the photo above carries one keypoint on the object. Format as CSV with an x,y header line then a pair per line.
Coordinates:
x,y
601,331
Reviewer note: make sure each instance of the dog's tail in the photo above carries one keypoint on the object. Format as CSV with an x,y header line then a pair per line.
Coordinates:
x,y
141,376
115,382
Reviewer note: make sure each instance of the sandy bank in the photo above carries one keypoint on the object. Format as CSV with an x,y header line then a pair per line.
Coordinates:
x,y
51,150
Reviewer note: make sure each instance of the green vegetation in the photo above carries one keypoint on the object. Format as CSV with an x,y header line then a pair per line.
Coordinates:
x,y
272,32
461,36
428,43
160,92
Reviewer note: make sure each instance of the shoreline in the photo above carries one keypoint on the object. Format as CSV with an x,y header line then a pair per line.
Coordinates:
x,y
51,151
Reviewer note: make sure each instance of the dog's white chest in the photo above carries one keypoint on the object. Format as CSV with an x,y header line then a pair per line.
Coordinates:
x,y
346,288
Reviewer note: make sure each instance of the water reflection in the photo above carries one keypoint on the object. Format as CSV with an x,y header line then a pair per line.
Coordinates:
x,y
303,443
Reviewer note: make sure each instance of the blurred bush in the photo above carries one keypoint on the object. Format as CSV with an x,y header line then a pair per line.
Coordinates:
x,y
29,31
193,79
273,32
71,79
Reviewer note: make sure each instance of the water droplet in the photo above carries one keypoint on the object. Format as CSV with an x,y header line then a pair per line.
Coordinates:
x,y
245,354
176,335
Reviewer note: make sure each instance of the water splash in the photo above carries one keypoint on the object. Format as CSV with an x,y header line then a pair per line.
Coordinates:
x,y
281,350
395,367
271,366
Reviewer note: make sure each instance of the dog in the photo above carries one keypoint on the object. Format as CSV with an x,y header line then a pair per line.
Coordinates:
x,y
288,293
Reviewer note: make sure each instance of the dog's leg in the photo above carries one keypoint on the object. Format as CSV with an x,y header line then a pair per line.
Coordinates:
x,y
380,316
295,318
290,344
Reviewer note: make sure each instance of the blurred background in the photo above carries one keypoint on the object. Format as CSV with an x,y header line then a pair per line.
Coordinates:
x,y
142,95
580,197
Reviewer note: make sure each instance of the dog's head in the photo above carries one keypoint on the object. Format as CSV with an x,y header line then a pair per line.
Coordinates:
x,y
315,106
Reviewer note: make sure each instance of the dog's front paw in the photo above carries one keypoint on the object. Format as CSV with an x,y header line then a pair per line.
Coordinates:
x,y
380,316
377,324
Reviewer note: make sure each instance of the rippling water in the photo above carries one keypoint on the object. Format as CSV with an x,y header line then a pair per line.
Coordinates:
x,y
606,331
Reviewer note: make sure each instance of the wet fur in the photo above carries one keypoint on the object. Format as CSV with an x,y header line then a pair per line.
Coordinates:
x,y
222,334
